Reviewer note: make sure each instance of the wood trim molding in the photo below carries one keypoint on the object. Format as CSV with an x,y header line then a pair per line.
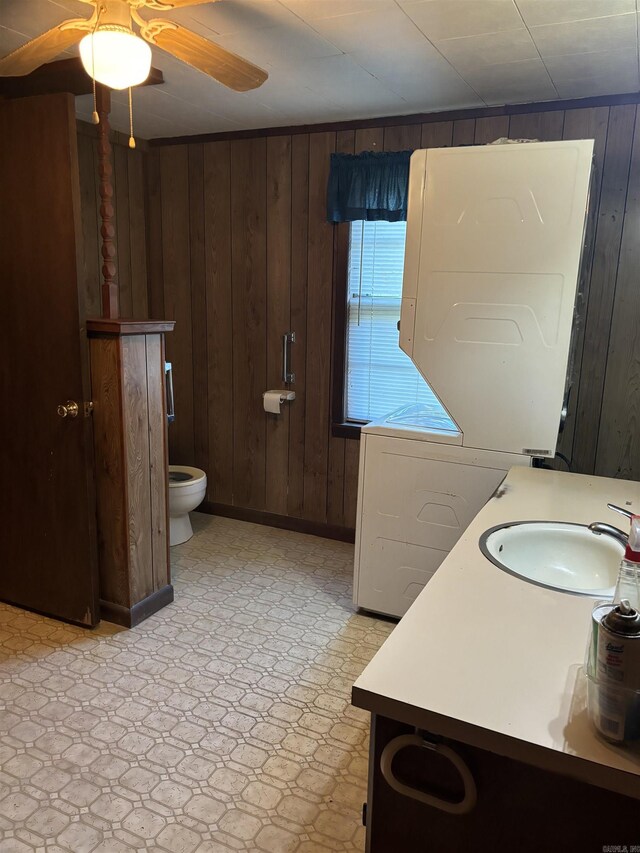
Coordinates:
x,y
129,617
283,522
118,327
414,118
84,128
346,430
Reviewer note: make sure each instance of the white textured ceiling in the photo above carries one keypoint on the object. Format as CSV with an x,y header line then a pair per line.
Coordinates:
x,y
332,60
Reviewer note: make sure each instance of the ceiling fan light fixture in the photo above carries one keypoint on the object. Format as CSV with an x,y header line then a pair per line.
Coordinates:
x,y
115,57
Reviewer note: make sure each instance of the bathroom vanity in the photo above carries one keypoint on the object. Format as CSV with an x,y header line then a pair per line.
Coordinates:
x,y
487,667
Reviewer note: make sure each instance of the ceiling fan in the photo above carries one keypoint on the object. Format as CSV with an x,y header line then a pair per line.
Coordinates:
x,y
113,54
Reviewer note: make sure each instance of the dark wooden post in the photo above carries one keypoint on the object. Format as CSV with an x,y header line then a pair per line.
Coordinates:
x,y
109,288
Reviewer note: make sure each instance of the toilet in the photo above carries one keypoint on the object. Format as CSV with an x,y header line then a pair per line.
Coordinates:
x,y
187,488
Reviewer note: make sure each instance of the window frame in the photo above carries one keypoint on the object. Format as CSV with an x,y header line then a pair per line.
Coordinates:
x,y
340,427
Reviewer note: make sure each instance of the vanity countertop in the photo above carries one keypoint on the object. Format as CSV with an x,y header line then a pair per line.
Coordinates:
x,y
491,660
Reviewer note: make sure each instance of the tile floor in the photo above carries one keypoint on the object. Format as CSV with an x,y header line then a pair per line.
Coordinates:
x,y
222,723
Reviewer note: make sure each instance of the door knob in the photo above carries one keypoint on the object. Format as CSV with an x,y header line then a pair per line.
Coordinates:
x,y
69,409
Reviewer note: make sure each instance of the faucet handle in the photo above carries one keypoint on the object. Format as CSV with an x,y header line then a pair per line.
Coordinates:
x,y
626,512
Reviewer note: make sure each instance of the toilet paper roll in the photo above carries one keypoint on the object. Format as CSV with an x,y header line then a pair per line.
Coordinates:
x,y
271,401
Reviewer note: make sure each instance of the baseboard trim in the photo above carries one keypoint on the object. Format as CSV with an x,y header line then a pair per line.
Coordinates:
x,y
129,617
284,522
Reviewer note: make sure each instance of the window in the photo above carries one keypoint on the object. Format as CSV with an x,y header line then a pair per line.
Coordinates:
x,y
378,376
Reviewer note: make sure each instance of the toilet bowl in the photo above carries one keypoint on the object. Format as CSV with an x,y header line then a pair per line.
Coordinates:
x,y
187,488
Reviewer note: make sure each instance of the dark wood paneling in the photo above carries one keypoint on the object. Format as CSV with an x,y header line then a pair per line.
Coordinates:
x,y
287,522
299,269
89,205
248,274
130,217
615,179
491,128
583,124
198,306
544,126
176,264
138,235
618,450
278,215
269,260
436,134
369,139
351,460
154,234
464,131
404,137
319,301
123,229
219,399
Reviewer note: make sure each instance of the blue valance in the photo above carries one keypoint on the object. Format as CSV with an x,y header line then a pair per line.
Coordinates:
x,y
371,186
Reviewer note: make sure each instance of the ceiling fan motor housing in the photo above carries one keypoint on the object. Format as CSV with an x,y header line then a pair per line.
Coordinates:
x,y
114,13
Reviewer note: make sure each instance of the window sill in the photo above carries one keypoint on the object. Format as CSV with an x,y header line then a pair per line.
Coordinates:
x,y
346,430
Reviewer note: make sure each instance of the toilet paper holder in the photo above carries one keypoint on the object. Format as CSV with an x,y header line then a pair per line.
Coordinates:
x,y
284,395
273,400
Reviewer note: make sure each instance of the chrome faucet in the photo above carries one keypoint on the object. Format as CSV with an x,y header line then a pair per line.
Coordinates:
x,y
600,527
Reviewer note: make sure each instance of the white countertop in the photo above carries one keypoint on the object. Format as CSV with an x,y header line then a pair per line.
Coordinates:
x,y
491,660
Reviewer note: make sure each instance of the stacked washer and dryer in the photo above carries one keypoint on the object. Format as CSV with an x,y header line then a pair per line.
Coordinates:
x,y
494,241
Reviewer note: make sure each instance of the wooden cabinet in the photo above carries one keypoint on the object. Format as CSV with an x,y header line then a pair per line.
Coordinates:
x,y
519,807
130,440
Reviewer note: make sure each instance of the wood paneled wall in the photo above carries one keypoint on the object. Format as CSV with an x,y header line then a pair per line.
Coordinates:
x,y
129,202
241,253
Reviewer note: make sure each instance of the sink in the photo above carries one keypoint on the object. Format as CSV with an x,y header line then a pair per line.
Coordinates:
x,y
558,555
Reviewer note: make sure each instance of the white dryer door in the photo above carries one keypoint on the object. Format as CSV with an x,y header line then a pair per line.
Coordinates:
x,y
494,241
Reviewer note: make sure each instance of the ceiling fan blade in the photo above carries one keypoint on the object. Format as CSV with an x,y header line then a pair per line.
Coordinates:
x,y
41,49
210,58
167,5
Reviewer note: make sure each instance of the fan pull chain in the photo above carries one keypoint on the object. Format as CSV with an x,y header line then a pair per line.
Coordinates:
x,y
132,142
95,118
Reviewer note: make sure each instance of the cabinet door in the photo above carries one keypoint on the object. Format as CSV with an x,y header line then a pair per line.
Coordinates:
x,y
47,505
520,808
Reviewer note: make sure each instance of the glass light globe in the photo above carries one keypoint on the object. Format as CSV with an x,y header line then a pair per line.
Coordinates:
x,y
116,57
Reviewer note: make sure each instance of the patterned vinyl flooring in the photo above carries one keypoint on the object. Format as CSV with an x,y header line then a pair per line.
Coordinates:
x,y
220,724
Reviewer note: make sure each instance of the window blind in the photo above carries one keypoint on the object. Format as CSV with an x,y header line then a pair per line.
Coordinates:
x,y
379,376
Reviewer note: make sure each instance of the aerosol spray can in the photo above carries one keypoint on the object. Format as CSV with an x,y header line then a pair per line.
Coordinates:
x,y
618,674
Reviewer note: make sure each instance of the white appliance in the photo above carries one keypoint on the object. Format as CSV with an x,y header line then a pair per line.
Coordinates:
x,y
494,242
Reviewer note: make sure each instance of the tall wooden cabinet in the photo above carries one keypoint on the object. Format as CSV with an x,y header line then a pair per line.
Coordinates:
x,y
130,429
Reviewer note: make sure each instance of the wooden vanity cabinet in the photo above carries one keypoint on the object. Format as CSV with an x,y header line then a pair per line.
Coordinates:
x,y
520,808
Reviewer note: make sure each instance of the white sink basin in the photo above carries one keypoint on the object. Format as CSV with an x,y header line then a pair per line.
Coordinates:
x,y
559,555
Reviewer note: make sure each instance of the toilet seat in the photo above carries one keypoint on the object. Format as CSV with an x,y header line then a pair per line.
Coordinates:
x,y
183,476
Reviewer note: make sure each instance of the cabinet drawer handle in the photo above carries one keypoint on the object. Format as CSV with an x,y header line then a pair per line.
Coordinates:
x,y
466,804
